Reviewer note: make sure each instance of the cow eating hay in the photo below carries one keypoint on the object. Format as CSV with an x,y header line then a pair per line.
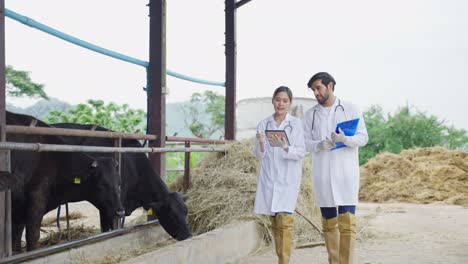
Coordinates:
x,y
223,190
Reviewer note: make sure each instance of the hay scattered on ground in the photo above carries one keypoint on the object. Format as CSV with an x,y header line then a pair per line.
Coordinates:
x,y
52,221
422,175
117,258
223,191
76,232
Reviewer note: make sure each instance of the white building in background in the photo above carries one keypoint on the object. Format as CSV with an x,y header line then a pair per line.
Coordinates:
x,y
251,111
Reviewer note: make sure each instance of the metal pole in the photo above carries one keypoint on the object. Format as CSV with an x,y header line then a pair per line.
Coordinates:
x,y
58,217
157,83
5,221
196,140
72,148
5,193
117,221
230,50
186,183
28,130
68,222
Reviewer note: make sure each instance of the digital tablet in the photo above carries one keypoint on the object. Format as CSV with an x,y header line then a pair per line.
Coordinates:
x,y
276,133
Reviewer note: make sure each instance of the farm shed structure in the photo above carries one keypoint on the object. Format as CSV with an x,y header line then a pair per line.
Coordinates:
x,y
156,68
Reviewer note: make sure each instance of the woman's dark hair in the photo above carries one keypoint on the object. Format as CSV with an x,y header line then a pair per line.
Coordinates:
x,y
325,77
283,89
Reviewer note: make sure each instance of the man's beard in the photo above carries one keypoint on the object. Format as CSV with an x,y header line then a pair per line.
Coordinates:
x,y
324,99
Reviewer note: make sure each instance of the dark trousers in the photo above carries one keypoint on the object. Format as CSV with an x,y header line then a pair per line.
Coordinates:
x,y
331,212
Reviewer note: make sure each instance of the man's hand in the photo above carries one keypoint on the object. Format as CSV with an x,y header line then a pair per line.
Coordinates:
x,y
279,141
326,144
260,136
340,137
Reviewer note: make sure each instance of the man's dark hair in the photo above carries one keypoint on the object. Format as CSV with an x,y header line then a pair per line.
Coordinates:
x,y
325,77
283,89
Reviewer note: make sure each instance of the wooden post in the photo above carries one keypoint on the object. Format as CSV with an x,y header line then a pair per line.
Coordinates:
x,y
157,83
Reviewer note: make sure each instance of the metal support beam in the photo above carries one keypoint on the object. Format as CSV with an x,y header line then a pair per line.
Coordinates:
x,y
4,155
230,46
117,221
5,224
157,83
5,194
241,3
186,182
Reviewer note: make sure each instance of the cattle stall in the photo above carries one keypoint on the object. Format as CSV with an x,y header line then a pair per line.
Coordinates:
x,y
156,72
118,150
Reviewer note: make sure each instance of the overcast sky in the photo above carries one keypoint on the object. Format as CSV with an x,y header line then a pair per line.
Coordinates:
x,y
391,53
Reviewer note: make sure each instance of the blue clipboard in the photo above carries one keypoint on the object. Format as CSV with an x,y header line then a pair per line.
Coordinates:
x,y
349,128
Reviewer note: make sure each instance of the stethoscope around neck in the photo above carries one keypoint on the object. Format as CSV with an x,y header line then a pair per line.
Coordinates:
x,y
286,126
336,107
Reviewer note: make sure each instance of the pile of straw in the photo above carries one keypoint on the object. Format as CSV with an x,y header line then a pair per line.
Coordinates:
x,y
422,175
223,191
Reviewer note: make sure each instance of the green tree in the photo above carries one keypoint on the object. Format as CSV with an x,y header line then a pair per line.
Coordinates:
x,y
405,130
456,138
375,123
112,116
209,103
18,83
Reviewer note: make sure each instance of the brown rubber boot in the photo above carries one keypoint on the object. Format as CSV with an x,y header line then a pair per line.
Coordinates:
x,y
347,227
284,223
330,232
275,231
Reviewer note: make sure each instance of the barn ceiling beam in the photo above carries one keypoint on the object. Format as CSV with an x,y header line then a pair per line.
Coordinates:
x,y
241,3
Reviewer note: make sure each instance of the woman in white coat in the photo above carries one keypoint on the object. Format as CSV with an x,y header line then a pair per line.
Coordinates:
x,y
280,171
335,171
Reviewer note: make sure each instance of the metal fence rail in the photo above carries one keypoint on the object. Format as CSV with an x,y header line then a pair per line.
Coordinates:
x,y
38,147
117,150
74,244
74,132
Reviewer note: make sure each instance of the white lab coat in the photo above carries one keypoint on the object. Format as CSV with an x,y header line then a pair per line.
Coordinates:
x,y
279,177
335,172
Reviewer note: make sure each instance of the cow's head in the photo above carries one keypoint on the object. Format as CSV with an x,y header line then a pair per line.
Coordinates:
x,y
103,183
172,215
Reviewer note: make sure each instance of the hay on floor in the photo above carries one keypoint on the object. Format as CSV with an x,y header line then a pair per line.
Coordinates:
x,y
223,191
55,237
421,175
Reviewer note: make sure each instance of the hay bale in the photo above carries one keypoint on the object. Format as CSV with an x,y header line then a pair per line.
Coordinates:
x,y
223,192
421,175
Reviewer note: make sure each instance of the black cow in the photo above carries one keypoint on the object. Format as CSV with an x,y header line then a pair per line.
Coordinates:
x,y
44,180
141,185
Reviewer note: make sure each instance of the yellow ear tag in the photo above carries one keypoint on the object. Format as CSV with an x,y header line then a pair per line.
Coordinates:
x,y
77,180
150,211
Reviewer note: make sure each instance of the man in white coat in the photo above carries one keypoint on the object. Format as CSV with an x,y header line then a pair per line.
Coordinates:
x,y
335,170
